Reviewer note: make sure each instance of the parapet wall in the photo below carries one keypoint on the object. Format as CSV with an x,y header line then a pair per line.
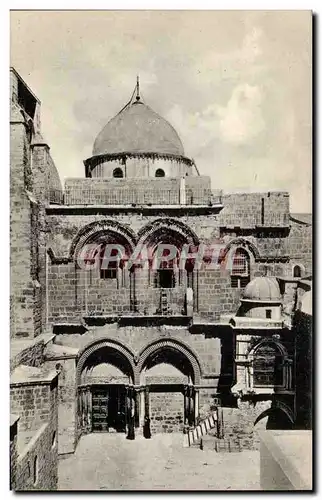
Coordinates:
x,y
140,190
250,210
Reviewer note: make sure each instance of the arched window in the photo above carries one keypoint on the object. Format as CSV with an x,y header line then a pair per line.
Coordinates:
x,y
160,173
240,273
118,173
108,270
297,271
267,366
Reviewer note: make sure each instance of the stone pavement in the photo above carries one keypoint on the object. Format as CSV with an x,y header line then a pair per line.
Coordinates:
x,y
110,462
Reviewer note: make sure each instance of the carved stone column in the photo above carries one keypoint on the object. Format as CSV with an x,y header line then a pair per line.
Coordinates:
x,y
196,406
142,406
89,410
130,412
220,423
137,407
146,427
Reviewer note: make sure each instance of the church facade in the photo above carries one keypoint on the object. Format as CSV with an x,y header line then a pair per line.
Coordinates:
x,y
205,349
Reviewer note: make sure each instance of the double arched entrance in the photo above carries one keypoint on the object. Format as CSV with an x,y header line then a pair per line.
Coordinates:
x,y
153,391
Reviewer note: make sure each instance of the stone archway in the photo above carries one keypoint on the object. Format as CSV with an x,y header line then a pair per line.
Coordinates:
x,y
170,277
169,371
105,385
279,417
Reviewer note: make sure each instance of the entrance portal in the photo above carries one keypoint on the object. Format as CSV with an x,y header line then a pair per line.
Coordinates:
x,y
106,396
109,408
168,392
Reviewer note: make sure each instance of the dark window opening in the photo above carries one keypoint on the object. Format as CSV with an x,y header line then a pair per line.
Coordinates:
x,y
239,282
297,272
268,367
164,278
262,212
118,173
26,100
160,173
268,313
109,272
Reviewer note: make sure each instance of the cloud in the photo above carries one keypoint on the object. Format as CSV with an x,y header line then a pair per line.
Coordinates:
x,y
235,85
241,120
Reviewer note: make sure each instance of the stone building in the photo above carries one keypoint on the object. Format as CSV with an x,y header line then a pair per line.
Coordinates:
x,y
207,349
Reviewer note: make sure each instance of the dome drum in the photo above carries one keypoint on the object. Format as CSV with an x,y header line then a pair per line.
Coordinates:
x,y
139,165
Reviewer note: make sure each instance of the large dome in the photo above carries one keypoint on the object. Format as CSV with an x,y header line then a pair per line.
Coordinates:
x,y
138,129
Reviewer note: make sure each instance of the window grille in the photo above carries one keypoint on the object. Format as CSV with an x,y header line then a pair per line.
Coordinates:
x,y
268,366
240,273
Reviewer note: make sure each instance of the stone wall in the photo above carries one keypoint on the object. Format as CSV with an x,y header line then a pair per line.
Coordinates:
x,y
248,210
34,403
300,245
269,249
215,294
166,412
21,279
13,450
37,465
208,349
37,407
66,404
239,423
156,191
28,170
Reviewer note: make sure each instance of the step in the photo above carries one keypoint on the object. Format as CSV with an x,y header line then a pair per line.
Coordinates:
x,y
221,445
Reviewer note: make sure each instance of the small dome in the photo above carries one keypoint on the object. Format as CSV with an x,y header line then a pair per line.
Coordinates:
x,y
262,289
138,129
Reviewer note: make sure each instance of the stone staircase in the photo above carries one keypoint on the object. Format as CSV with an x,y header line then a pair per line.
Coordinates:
x,y
209,434
195,435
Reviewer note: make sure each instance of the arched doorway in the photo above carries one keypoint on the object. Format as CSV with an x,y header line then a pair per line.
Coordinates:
x,y
169,373
106,399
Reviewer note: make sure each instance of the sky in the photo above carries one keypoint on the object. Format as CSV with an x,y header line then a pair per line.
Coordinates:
x,y
236,85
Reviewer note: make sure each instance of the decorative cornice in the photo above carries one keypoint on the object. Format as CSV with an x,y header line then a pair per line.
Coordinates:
x,y
93,161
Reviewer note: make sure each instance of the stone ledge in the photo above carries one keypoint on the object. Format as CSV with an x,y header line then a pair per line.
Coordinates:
x,y
286,460
30,375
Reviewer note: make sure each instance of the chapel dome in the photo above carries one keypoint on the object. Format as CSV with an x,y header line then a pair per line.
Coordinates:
x,y
138,129
262,289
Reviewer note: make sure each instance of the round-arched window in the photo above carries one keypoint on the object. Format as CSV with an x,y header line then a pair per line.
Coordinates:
x,y
240,272
118,173
160,173
297,271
